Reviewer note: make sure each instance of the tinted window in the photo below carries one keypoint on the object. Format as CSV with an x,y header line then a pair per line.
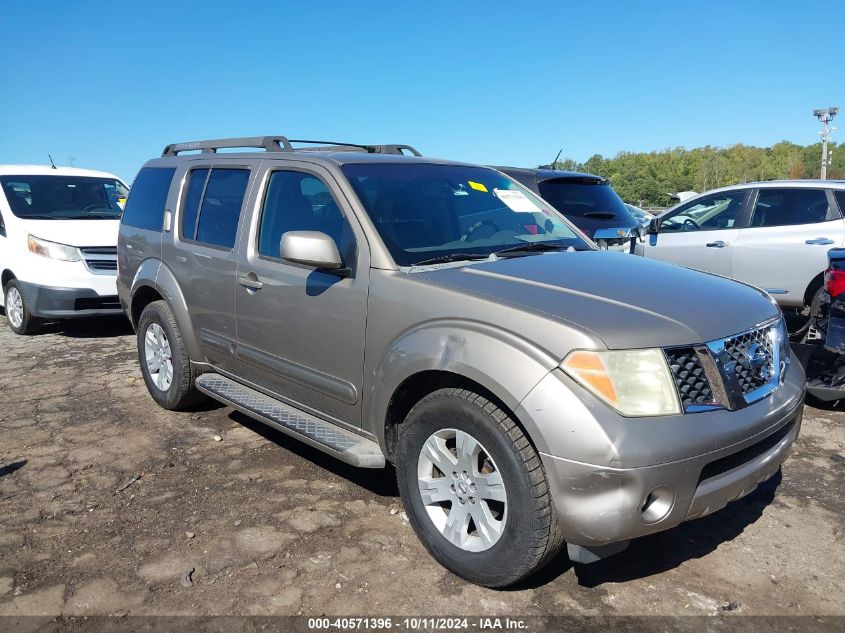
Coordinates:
x,y
297,201
424,210
64,197
584,199
191,206
145,206
840,200
707,213
783,207
220,196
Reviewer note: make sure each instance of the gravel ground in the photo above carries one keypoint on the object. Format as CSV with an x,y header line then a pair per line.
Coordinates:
x,y
111,505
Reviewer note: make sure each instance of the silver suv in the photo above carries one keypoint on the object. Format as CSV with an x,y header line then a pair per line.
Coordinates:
x,y
528,388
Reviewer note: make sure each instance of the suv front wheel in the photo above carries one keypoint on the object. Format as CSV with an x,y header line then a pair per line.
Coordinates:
x,y
167,370
474,489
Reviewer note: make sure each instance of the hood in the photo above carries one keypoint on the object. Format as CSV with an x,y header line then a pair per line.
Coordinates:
x,y
627,301
74,232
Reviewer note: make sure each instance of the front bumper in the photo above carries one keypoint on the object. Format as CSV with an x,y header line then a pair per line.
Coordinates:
x,y
52,302
640,482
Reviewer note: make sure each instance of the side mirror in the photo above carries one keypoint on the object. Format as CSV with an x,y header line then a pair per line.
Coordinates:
x,y
653,226
311,248
615,234
603,236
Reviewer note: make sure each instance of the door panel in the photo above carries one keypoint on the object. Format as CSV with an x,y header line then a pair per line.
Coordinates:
x,y
781,251
203,255
300,330
701,233
710,251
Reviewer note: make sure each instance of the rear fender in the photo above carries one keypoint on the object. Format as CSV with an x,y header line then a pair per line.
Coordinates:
x,y
159,277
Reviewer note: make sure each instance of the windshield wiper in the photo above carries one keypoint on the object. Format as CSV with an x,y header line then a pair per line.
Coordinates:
x,y
530,247
451,257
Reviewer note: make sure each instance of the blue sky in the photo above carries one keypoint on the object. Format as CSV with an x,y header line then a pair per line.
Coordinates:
x,y
111,83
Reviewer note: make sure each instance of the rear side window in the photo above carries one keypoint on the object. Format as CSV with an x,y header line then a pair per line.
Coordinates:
x,y
785,207
840,200
145,206
212,207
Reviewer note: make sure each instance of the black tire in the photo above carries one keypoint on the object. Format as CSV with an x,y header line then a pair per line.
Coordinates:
x,y
181,392
29,324
530,536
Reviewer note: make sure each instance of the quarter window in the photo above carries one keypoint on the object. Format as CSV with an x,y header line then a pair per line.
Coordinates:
x,y
296,201
212,207
784,207
145,206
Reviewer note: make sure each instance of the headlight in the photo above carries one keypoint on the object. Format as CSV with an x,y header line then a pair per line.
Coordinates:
x,y
53,250
634,382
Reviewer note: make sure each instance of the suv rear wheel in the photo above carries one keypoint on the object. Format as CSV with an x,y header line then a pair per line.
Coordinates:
x,y
17,312
474,489
165,365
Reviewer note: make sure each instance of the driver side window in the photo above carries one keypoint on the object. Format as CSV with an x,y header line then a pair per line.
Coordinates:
x,y
709,213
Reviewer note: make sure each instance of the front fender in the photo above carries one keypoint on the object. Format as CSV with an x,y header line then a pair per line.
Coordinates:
x,y
156,275
505,364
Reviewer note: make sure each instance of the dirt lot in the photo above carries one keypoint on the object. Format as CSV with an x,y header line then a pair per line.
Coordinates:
x,y
257,523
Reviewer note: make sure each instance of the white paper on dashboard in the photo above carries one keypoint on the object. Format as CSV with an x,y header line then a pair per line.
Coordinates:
x,y
516,200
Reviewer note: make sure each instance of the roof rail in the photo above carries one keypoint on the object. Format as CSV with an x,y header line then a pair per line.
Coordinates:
x,y
394,148
282,144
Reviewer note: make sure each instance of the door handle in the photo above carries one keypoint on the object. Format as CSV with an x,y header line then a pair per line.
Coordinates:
x,y
250,282
823,241
716,244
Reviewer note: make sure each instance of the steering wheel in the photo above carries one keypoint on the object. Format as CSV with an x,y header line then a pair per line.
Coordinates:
x,y
465,237
94,207
692,223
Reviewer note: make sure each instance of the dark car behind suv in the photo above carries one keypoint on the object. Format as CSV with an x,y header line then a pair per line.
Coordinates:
x,y
588,201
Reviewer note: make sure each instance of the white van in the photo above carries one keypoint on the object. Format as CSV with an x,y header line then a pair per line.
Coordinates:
x,y
58,243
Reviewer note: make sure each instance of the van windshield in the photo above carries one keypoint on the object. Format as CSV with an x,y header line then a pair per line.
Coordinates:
x,y
64,197
426,211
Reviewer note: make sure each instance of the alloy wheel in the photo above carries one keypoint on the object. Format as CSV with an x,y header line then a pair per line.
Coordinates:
x,y
462,490
158,357
14,306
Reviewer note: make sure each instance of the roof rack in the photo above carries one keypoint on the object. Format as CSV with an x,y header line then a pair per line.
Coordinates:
x,y
282,144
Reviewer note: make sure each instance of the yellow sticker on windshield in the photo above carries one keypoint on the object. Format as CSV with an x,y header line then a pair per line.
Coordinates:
x,y
477,186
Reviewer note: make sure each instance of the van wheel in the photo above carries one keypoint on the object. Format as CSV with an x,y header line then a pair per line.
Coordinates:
x,y
475,490
168,372
17,312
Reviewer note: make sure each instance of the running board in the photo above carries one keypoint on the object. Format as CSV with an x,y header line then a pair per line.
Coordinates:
x,y
329,438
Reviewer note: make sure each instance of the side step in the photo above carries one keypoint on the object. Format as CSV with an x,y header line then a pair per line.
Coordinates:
x,y
345,445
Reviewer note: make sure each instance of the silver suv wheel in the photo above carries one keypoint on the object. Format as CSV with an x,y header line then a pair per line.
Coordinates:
x,y
462,490
14,306
158,356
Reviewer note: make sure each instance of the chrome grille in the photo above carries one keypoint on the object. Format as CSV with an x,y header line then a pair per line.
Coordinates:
x,y
100,260
733,372
753,357
690,379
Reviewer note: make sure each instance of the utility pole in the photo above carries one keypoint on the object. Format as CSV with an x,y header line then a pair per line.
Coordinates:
x,y
825,116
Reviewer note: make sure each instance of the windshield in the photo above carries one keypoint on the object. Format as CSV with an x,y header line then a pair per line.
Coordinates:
x,y
582,198
64,197
424,211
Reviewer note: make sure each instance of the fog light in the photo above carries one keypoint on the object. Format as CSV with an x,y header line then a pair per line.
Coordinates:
x,y
657,504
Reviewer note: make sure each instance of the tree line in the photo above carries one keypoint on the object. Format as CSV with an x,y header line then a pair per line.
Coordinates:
x,y
648,178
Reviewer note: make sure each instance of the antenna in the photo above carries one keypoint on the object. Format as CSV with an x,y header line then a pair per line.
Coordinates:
x,y
52,164
554,162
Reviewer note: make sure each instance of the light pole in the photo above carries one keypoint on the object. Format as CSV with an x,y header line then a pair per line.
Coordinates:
x,y
825,115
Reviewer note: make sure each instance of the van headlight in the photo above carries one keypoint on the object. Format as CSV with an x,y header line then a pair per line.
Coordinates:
x,y
636,383
53,250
